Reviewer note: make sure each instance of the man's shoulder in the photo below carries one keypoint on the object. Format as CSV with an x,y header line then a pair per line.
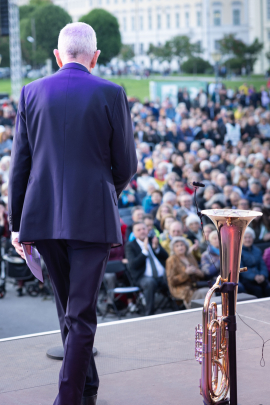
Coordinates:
x,y
91,79
132,244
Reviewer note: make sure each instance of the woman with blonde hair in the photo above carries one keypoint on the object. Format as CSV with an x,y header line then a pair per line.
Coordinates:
x,y
164,209
183,272
165,224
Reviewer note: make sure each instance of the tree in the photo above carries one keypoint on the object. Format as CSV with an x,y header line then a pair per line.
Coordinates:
x,y
49,20
126,53
202,66
182,47
39,2
162,52
108,34
241,53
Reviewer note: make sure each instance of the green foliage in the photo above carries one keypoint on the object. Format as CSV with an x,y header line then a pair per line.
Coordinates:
x,y
196,65
179,47
26,11
108,34
162,52
126,53
244,54
39,2
234,64
4,51
49,20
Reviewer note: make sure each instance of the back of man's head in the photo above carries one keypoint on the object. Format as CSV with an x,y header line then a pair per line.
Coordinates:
x,y
77,41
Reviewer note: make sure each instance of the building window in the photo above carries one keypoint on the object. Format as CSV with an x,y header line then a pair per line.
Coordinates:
x,y
177,20
124,23
159,21
268,33
141,49
100,2
236,17
133,47
217,45
150,21
133,23
199,18
268,9
168,21
217,18
141,22
187,18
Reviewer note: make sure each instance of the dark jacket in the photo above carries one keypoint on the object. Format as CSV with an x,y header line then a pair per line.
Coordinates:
x,y
73,154
137,260
252,259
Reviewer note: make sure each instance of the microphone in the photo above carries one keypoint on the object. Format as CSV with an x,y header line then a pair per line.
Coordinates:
x,y
196,184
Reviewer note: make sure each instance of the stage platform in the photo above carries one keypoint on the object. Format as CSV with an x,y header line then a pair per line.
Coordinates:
x,y
143,361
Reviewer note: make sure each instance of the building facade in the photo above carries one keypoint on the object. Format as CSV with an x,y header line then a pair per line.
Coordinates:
x,y
205,21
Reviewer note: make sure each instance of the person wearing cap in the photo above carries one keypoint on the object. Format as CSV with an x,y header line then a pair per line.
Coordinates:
x,y
255,280
183,272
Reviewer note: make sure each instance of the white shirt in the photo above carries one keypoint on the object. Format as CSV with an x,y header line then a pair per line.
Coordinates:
x,y
148,269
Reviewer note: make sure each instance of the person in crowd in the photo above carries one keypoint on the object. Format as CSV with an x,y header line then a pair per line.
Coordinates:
x,y
5,143
149,222
170,181
163,210
165,224
210,261
255,280
266,258
183,272
255,193
146,263
137,216
186,207
152,203
128,198
233,131
194,232
144,180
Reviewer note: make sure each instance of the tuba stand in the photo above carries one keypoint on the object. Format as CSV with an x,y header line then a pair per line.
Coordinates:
x,y
231,327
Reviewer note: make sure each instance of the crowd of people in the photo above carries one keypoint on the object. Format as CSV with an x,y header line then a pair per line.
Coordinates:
x,y
220,138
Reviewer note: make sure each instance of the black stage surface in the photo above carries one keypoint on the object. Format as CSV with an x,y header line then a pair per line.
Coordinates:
x,y
143,361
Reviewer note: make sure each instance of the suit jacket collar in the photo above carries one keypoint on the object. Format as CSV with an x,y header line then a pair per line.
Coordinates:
x,y
73,65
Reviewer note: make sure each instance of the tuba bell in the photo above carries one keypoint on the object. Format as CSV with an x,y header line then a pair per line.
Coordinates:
x,y
212,349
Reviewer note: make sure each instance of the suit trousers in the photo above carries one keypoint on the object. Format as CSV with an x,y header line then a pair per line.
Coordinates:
x,y
150,285
76,270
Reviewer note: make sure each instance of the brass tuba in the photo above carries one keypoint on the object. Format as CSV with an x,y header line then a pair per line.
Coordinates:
x,y
212,338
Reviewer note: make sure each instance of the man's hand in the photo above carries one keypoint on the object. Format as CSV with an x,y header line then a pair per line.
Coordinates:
x,y
145,242
19,249
154,243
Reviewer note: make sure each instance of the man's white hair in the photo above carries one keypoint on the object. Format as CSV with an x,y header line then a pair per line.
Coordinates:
x,y
77,39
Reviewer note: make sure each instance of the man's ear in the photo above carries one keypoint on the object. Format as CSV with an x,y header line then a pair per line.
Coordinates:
x,y
94,60
58,58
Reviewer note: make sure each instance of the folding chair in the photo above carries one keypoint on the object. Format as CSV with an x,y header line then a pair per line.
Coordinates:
x,y
114,267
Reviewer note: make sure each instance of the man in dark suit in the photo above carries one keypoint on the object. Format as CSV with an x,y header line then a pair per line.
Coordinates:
x,y
73,154
146,263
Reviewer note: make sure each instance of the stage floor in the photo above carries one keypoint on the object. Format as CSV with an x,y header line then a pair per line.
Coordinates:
x,y
144,361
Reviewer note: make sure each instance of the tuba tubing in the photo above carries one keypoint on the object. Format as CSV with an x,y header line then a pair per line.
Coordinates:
x,y
212,338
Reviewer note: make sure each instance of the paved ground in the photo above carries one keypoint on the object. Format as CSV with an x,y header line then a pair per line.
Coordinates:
x,y
26,315
149,361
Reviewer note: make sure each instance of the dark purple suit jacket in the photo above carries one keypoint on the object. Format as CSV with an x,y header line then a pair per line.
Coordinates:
x,y
73,154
